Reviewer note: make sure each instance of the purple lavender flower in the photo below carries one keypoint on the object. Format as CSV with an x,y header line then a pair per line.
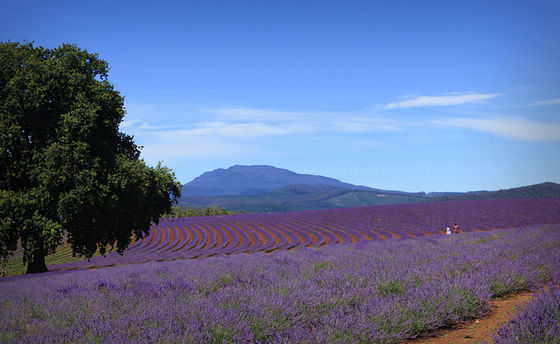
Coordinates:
x,y
371,291
538,322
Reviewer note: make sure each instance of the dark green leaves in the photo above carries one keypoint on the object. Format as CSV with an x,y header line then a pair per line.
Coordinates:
x,y
66,167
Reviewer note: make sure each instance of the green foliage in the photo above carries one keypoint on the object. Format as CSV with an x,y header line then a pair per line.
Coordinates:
x,y
395,287
65,168
513,284
485,240
543,190
543,272
221,334
467,305
322,265
191,212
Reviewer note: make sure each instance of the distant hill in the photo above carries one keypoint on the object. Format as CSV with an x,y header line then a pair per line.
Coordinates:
x,y
543,190
264,188
299,197
251,180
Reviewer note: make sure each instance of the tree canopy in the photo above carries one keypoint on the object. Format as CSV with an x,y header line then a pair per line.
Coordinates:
x,y
66,171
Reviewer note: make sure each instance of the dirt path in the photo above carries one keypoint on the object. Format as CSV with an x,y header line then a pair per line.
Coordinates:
x,y
480,330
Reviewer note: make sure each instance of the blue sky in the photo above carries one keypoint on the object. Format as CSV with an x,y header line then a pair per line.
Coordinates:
x,y
404,95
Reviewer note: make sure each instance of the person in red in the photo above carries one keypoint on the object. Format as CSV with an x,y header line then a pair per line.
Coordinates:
x,y
455,228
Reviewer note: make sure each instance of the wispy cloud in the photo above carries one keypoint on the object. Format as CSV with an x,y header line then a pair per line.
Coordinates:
x,y
192,147
206,140
239,132
135,123
444,100
254,114
287,122
514,128
364,124
245,131
129,123
248,125
234,130
553,101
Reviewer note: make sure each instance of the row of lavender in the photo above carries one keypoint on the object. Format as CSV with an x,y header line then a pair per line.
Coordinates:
x,y
539,322
375,292
219,235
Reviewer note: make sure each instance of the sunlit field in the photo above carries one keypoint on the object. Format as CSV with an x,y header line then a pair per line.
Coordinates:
x,y
365,275
198,237
366,292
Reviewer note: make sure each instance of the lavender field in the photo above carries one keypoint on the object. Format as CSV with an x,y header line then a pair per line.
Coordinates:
x,y
225,235
367,292
539,322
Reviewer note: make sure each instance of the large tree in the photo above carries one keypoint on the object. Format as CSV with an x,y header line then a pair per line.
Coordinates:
x,y
66,171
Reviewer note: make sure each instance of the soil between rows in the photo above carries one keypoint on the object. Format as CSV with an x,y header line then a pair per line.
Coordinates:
x,y
480,330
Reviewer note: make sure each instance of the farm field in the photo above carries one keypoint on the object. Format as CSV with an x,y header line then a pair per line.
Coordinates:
x,y
197,237
536,323
376,291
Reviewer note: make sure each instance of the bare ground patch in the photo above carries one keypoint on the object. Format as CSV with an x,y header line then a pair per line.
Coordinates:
x,y
480,330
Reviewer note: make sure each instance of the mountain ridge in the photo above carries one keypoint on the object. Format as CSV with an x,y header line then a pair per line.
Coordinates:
x,y
541,190
240,180
264,188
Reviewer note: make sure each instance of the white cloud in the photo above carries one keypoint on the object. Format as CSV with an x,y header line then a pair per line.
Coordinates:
x,y
288,122
365,124
202,147
445,100
201,142
272,116
367,144
241,131
128,124
245,126
135,123
208,140
553,101
515,128
235,130
249,114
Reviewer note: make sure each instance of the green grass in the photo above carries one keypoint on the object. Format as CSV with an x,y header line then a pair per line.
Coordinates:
x,y
63,254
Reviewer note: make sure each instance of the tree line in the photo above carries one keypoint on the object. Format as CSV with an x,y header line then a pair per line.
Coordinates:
x,y
177,211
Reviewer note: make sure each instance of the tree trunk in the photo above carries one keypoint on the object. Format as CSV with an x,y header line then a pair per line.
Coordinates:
x,y
37,264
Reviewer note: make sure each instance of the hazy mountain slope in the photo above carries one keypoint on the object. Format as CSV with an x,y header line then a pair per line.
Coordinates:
x,y
543,190
252,180
263,188
300,197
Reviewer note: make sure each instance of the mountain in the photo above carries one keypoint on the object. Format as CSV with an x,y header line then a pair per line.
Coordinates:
x,y
263,188
241,180
543,190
